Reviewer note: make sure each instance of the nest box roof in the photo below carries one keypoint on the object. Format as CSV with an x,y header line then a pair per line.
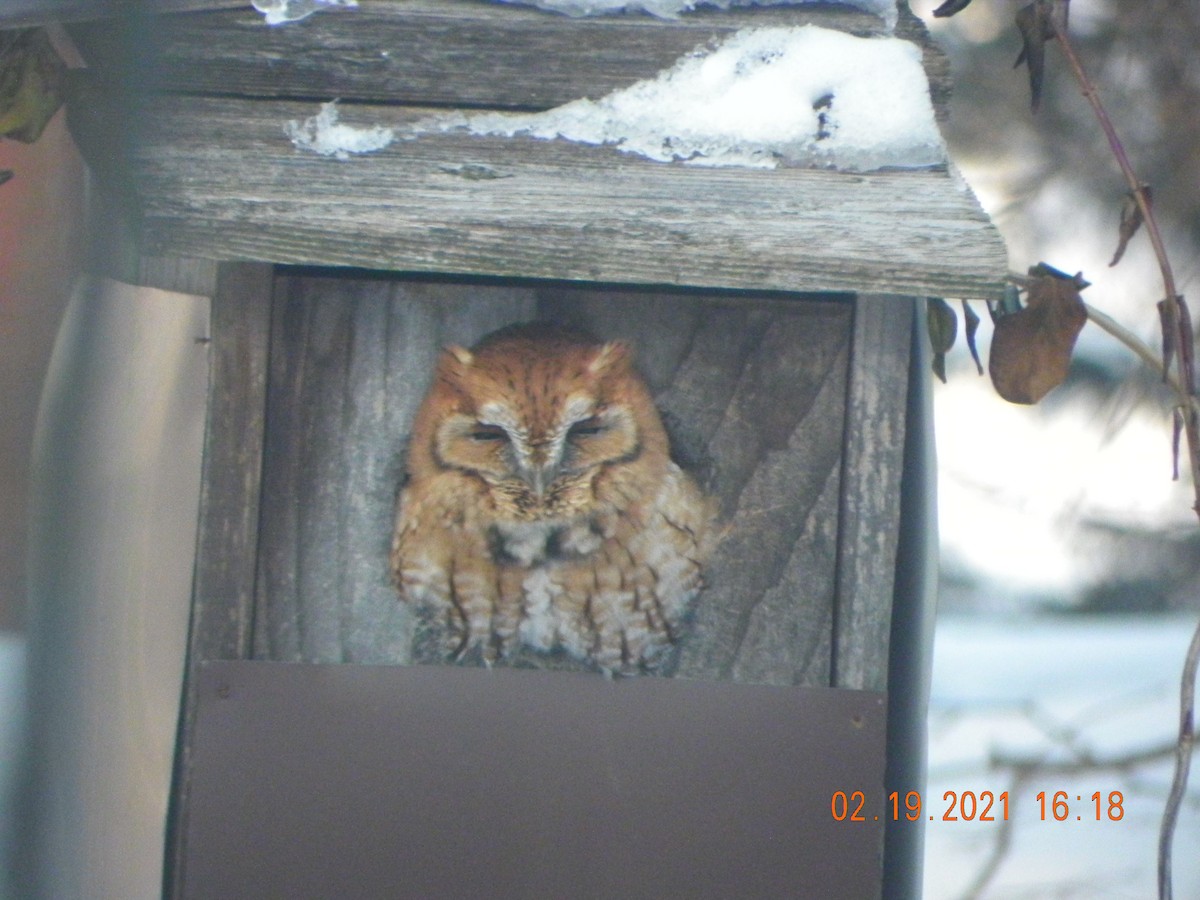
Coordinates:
x,y
227,118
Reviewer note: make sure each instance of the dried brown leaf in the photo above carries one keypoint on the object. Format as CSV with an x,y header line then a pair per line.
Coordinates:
x,y
1062,12
1170,334
1176,431
943,330
1031,24
1031,349
31,78
950,7
971,326
1131,221
1178,335
939,366
1187,343
1008,304
1036,22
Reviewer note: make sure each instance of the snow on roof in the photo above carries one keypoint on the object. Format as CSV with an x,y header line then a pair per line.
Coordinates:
x,y
672,8
324,134
765,96
278,11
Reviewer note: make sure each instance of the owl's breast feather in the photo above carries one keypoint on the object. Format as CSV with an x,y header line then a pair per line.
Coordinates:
x,y
529,544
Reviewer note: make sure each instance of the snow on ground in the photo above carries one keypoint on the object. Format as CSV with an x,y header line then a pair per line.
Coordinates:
x,y
1055,688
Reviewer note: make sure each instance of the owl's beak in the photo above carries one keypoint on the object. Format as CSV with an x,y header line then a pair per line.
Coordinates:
x,y
540,477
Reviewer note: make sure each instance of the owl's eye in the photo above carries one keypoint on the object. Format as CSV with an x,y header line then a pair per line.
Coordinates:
x,y
586,427
483,432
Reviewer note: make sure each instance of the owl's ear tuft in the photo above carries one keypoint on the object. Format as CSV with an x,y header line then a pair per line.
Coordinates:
x,y
615,356
454,361
464,356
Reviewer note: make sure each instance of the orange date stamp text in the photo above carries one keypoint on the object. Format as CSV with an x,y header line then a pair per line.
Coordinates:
x,y
977,806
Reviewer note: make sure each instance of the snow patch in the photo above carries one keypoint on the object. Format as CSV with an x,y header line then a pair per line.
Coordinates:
x,y
802,95
1061,689
278,11
670,9
324,134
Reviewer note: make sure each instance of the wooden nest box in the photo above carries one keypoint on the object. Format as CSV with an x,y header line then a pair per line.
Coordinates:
x,y
775,312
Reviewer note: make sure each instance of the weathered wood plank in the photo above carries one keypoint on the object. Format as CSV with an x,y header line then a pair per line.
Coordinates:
x,y
20,13
876,418
184,276
227,542
229,508
753,392
452,52
350,363
220,179
777,452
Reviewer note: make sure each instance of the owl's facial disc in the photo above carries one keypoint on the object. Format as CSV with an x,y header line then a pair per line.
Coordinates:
x,y
550,456
542,463
465,442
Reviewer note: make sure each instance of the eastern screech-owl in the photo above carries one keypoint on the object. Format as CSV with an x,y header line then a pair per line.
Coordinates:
x,y
542,506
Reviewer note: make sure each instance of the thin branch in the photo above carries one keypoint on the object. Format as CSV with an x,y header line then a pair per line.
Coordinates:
x,y
1191,428
1191,421
1135,185
1025,769
1144,352
1118,149
1001,846
1183,762
1081,765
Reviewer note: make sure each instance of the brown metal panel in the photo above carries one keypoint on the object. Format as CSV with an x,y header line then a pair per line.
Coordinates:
x,y
360,781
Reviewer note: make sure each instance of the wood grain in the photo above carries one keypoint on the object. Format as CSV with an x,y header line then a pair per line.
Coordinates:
x,y
17,13
220,179
753,395
350,362
227,541
459,53
229,500
876,419
753,392
184,276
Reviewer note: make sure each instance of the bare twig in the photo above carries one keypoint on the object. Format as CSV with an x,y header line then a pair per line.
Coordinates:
x,y
1082,764
1183,762
1144,352
1191,421
1027,769
1000,847
1191,429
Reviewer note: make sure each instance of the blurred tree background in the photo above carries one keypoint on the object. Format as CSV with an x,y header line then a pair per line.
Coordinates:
x,y
1068,506
1076,491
